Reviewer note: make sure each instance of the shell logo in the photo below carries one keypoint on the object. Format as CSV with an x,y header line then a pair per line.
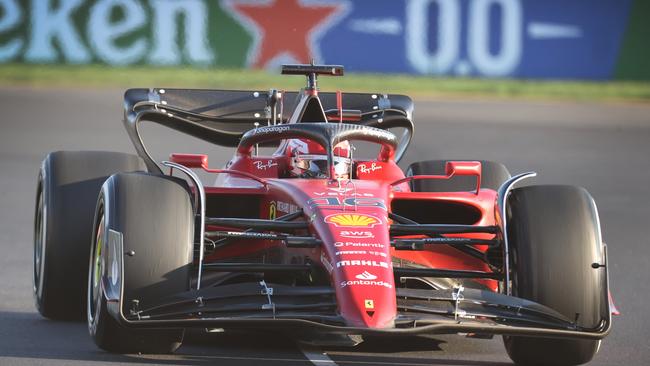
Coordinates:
x,y
352,220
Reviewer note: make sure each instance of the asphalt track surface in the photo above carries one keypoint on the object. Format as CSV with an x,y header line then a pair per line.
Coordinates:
x,y
605,148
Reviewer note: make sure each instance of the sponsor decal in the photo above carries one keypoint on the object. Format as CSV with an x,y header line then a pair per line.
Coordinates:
x,y
369,304
343,192
272,210
314,202
339,244
340,190
351,252
356,234
361,252
352,201
366,202
352,220
287,207
247,233
261,165
344,284
267,20
346,193
366,276
271,129
469,40
346,263
364,168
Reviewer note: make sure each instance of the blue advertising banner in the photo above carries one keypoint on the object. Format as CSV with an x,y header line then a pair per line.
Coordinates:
x,y
493,38
568,39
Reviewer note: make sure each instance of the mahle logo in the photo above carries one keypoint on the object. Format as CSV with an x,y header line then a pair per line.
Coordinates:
x,y
369,263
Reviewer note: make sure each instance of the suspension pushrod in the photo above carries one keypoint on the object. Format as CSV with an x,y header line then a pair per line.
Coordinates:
x,y
403,229
256,267
291,241
420,244
259,224
444,273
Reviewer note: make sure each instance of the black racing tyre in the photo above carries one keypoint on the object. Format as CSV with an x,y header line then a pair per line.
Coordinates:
x,y
154,217
554,235
68,185
493,174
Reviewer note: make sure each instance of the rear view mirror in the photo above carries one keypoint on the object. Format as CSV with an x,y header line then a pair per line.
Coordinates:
x,y
191,160
472,168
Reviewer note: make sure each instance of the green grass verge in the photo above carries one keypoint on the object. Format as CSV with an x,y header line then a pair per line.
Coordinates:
x,y
416,86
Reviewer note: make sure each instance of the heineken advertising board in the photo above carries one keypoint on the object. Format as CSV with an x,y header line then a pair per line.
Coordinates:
x,y
489,38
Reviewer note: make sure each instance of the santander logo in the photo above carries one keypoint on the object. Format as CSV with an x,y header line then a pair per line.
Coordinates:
x,y
367,276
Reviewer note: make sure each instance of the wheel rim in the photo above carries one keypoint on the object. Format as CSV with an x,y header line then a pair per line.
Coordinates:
x,y
96,270
40,234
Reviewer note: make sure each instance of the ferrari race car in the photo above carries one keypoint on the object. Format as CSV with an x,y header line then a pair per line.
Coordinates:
x,y
310,238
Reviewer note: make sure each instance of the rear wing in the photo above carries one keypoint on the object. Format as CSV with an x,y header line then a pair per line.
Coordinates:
x,y
223,116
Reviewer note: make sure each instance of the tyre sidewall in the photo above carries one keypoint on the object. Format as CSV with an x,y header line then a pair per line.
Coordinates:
x,y
117,202
69,182
554,235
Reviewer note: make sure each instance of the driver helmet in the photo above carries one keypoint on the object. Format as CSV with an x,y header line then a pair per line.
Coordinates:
x,y
309,160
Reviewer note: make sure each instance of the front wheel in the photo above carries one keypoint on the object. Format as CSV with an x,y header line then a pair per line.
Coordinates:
x,y
68,186
554,234
151,216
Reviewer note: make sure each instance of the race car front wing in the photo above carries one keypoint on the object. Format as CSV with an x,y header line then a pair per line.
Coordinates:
x,y
261,305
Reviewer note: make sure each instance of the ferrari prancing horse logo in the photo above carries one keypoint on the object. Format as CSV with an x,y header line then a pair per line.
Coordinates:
x,y
272,210
352,220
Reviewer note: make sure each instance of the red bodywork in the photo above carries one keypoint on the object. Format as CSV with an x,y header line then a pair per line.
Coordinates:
x,y
364,251
350,217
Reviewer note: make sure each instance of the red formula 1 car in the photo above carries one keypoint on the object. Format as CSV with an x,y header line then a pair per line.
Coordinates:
x,y
312,239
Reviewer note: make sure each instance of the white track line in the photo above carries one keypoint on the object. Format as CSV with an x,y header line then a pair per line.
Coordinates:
x,y
317,357
257,360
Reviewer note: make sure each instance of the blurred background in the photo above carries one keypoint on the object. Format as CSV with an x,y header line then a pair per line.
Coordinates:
x,y
561,87
208,43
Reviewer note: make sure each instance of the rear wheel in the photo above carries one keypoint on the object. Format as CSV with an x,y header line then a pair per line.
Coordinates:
x,y
555,239
68,185
152,216
493,174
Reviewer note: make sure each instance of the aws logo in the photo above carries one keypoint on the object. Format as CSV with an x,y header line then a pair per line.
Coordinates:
x,y
356,234
352,220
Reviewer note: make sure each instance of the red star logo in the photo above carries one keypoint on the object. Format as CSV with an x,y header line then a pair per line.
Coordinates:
x,y
284,27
